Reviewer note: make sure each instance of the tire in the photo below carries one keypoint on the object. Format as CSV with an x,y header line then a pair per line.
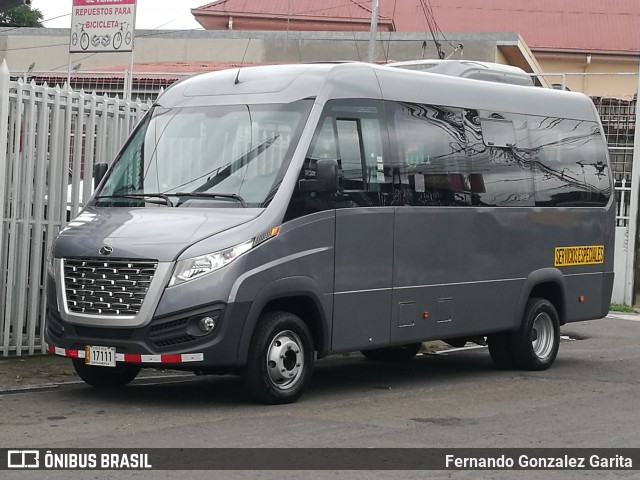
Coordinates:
x,y
500,350
280,360
106,377
74,39
393,354
535,344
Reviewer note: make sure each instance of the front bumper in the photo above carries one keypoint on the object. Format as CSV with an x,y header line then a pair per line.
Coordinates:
x,y
132,357
166,341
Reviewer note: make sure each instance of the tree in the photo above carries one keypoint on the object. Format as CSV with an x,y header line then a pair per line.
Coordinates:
x,y
22,16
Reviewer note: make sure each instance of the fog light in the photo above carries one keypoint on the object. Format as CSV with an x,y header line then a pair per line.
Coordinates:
x,y
206,324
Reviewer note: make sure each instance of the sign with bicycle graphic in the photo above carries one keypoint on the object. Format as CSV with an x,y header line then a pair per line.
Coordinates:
x,y
102,26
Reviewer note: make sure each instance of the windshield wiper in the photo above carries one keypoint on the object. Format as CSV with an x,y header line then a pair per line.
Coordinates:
x,y
144,196
233,196
225,171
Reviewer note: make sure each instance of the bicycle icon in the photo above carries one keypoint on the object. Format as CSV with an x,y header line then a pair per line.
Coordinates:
x,y
123,35
82,36
118,37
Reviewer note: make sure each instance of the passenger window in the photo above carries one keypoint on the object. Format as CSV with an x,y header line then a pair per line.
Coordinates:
x,y
500,174
325,145
569,163
432,163
351,131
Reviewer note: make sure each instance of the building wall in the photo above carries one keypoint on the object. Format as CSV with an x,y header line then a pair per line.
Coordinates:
x,y
607,76
48,48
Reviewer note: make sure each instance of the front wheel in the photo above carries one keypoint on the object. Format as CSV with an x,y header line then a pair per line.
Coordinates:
x,y
535,344
106,377
280,360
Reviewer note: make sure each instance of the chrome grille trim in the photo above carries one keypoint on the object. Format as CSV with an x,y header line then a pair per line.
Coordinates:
x,y
102,287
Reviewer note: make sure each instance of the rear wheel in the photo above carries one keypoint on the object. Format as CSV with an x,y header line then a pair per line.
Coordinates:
x,y
535,344
393,354
280,360
105,377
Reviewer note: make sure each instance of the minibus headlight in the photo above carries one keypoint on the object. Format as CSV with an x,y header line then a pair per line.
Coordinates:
x,y
198,266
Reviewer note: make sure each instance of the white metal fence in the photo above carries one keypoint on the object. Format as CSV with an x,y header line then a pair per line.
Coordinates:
x,y
49,141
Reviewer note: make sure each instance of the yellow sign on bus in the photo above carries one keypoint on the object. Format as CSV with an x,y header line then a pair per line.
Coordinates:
x,y
585,255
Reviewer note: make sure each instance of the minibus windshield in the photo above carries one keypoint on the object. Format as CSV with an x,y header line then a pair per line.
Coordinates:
x,y
209,156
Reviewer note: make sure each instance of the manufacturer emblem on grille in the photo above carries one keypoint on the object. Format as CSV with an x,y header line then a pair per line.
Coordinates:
x,y
106,250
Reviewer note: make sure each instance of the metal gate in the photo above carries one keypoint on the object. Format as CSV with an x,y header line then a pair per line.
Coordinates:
x,y
49,141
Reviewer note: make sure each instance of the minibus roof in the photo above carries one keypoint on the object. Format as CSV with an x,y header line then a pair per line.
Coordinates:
x,y
326,81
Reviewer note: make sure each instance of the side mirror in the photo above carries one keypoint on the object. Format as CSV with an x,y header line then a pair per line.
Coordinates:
x,y
326,180
99,171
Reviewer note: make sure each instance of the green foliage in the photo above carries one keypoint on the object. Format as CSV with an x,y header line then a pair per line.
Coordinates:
x,y
22,16
616,307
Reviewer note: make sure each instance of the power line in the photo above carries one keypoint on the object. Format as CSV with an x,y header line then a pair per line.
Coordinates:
x,y
355,41
393,17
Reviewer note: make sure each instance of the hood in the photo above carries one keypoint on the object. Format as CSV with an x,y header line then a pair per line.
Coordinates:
x,y
145,233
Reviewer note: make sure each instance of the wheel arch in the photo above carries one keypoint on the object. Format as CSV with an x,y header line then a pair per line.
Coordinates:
x,y
547,283
298,295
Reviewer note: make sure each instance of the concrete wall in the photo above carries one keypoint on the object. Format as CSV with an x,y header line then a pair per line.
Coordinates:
x,y
48,48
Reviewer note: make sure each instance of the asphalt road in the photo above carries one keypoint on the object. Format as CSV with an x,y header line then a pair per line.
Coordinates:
x,y
589,398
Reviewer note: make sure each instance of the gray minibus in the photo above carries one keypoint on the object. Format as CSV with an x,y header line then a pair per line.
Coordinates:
x,y
261,218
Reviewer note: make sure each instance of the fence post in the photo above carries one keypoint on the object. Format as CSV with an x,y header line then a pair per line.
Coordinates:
x,y
4,133
633,210
4,140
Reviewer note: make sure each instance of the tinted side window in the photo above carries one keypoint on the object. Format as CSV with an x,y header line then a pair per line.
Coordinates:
x,y
500,157
432,165
569,162
354,133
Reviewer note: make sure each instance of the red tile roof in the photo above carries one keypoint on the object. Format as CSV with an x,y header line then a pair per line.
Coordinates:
x,y
332,9
583,25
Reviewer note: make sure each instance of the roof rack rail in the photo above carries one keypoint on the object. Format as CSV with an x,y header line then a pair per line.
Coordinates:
x,y
486,71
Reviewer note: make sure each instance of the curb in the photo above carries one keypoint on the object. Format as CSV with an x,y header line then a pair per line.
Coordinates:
x,y
142,381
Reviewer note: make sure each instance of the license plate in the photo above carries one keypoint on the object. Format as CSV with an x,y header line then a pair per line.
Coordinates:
x,y
100,356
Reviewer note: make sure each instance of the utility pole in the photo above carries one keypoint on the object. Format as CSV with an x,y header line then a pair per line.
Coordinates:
x,y
629,296
374,30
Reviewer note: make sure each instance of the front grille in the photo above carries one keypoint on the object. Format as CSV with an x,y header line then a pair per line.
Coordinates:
x,y
104,333
175,341
107,287
173,332
173,324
